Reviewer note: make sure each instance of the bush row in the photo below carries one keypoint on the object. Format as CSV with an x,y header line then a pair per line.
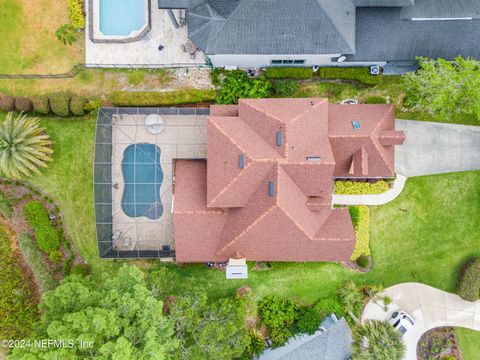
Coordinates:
x,y
468,286
345,187
361,223
360,74
43,276
289,73
152,98
45,233
77,18
61,104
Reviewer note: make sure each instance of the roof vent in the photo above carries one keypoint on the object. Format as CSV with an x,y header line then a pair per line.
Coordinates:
x,y
271,188
313,159
241,161
355,124
279,138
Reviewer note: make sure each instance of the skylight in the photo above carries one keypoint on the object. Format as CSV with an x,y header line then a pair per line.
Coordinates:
x,y
355,124
271,188
313,158
279,138
241,161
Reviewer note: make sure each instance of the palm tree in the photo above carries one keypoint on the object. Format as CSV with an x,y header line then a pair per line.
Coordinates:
x,y
24,146
67,34
377,340
351,297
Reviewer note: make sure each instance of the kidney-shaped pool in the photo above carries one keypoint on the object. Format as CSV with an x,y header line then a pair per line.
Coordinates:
x,y
143,178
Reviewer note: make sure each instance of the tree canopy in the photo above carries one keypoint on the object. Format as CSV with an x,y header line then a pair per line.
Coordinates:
x,y
119,315
444,87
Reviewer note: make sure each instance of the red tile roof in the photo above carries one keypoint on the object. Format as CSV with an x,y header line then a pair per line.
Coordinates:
x,y
277,205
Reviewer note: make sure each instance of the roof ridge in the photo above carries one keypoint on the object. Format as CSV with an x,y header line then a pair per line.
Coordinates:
x,y
313,107
247,228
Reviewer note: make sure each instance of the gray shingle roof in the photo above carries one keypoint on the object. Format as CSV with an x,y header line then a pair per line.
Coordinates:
x,y
383,2
381,34
442,9
333,344
272,27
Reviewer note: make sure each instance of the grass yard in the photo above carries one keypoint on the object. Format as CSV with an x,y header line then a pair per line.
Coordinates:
x,y
29,44
424,235
469,341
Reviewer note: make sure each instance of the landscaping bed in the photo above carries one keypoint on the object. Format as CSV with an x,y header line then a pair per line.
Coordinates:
x,y
439,343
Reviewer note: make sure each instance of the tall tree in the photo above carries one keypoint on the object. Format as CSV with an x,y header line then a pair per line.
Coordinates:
x,y
118,315
377,340
444,87
209,330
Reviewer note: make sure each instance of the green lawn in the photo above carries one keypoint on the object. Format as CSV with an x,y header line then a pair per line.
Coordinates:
x,y
469,343
424,235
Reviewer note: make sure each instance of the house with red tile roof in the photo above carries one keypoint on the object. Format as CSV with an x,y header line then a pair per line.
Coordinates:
x,y
264,192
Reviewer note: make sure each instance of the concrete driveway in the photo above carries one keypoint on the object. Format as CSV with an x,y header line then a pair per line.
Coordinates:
x,y
434,148
429,307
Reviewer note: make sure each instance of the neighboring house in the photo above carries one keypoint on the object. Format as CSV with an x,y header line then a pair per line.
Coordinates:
x,y
265,191
331,342
257,33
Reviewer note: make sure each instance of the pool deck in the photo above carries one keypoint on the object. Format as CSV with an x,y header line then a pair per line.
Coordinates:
x,y
184,137
143,53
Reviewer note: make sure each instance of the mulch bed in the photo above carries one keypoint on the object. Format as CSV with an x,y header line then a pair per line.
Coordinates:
x,y
438,343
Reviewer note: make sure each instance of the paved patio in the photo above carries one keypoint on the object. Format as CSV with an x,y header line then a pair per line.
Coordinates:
x,y
184,137
144,52
429,307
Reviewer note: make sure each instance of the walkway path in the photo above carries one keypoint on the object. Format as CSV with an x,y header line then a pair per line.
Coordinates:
x,y
374,199
429,307
434,148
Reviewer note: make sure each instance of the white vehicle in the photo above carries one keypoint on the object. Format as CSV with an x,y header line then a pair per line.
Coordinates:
x,y
401,321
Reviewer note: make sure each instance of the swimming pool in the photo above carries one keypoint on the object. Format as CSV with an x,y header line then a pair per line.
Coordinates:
x,y
143,176
123,17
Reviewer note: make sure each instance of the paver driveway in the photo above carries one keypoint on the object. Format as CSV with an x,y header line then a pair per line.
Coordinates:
x,y
429,307
434,148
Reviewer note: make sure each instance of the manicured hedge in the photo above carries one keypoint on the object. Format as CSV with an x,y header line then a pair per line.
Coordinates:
x,y
44,277
77,106
362,233
7,103
345,187
360,74
60,104
289,73
76,14
144,98
376,100
41,105
45,233
23,104
468,286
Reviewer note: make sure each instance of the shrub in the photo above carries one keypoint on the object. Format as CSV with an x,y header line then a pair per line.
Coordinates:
x,y
363,261
237,85
41,105
44,277
289,73
76,14
6,205
362,233
55,256
93,105
67,34
142,98
327,306
360,187
468,286
23,104
7,103
354,214
60,104
376,100
256,343
308,320
360,74
45,233
285,88
67,264
80,269
77,105
278,314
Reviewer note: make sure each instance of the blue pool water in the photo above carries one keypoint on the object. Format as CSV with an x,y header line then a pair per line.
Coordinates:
x,y
121,17
143,178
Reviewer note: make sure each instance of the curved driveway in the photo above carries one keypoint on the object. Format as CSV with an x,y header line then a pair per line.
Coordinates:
x,y
429,307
